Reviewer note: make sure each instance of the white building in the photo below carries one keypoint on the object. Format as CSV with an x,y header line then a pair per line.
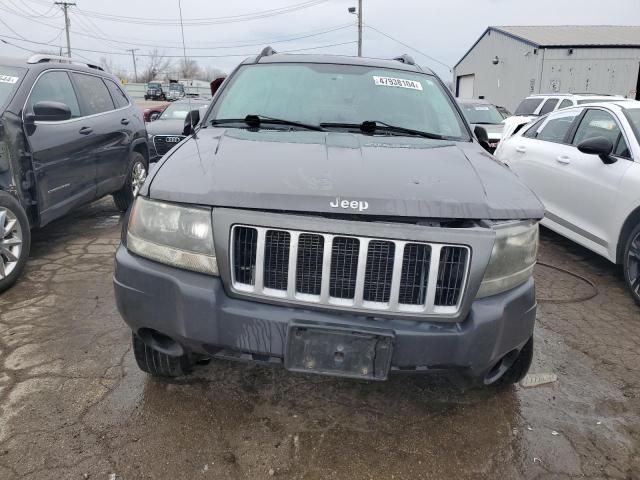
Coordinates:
x,y
508,63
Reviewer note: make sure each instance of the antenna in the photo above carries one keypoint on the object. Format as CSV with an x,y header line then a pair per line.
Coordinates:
x,y
184,56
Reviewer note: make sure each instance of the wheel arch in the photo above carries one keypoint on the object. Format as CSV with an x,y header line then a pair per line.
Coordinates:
x,y
629,224
141,147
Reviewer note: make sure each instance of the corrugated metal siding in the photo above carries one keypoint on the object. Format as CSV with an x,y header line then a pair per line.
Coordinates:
x,y
516,75
521,72
591,70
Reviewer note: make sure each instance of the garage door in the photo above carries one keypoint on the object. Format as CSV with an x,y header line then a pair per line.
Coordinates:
x,y
465,86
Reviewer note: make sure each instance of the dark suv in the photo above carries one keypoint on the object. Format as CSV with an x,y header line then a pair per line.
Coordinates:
x,y
334,215
155,92
68,135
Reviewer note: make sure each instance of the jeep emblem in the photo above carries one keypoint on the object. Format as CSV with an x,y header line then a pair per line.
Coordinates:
x,y
359,205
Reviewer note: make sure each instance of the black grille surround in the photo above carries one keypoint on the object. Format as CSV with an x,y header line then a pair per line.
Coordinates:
x,y
350,272
161,144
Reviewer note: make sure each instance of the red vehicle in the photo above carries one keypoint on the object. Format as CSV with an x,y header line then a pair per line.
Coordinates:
x,y
152,113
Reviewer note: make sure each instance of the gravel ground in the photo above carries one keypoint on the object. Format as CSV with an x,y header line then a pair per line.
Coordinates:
x,y
74,405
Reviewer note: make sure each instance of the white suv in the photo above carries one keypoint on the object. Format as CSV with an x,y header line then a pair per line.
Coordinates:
x,y
583,162
536,105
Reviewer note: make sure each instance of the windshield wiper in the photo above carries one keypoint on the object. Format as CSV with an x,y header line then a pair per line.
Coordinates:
x,y
371,126
254,121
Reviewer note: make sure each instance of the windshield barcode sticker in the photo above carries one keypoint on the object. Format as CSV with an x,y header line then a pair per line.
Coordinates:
x,y
397,82
8,79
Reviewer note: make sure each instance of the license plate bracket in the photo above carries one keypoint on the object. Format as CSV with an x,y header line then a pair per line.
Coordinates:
x,y
339,351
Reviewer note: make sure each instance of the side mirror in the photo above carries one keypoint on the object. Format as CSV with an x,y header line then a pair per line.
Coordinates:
x,y
483,137
47,111
600,146
190,122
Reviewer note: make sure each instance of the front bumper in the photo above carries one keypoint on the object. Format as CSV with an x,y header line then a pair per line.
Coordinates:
x,y
195,310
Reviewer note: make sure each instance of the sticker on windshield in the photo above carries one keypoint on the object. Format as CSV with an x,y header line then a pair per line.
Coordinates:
x,y
481,108
397,82
8,79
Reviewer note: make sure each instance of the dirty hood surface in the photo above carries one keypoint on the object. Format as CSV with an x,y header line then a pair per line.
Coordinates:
x,y
311,171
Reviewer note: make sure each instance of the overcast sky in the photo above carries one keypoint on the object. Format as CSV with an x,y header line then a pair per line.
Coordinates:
x,y
443,29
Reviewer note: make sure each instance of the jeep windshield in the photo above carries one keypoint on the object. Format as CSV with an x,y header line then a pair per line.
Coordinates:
x,y
9,79
340,97
154,86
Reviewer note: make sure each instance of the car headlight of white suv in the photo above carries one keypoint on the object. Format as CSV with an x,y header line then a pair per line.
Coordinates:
x,y
512,259
176,235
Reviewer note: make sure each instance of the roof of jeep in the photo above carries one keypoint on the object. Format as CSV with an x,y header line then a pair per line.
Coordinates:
x,y
336,60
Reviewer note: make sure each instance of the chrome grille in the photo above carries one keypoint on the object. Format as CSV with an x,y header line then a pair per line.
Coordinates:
x,y
450,275
161,144
309,271
344,265
415,273
276,259
349,272
379,271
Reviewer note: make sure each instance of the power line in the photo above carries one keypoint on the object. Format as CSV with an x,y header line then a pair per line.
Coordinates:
x,y
250,54
236,44
28,9
410,47
206,21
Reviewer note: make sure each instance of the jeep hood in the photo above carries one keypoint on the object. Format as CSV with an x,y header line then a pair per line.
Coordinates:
x,y
307,171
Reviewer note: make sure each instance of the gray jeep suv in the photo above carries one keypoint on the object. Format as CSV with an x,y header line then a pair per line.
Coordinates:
x,y
333,215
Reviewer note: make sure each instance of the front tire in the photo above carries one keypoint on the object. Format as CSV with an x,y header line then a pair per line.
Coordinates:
x,y
515,372
631,264
136,175
15,240
159,364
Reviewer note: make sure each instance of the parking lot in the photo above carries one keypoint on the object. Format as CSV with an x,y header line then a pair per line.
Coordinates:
x,y
74,405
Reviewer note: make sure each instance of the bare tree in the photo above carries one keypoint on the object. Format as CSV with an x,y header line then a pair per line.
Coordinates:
x,y
109,66
210,73
157,65
188,68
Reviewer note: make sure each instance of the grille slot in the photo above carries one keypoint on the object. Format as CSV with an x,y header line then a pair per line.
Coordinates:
x,y
309,271
450,275
276,259
415,274
344,265
349,272
245,247
379,271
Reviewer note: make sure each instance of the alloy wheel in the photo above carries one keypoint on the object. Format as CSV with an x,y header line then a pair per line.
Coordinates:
x,y
138,176
10,242
633,265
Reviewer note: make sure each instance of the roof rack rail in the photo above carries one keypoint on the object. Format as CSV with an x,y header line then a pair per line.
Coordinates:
x,y
266,52
41,58
405,59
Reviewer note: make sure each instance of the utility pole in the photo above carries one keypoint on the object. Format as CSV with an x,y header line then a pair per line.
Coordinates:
x,y
358,12
65,7
133,55
359,28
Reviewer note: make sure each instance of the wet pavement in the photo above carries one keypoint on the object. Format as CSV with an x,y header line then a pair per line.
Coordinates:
x,y
74,405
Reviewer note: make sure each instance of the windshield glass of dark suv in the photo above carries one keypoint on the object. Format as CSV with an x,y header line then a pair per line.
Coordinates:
x,y
341,96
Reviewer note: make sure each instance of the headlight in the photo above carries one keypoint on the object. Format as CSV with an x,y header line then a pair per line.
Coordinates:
x,y
149,136
173,234
512,259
